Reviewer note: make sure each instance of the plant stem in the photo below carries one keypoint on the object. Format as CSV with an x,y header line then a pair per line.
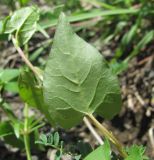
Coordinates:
x,y
92,130
108,134
26,133
25,59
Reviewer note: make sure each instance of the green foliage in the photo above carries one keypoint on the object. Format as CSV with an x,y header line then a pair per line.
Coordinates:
x,y
102,152
77,80
118,67
11,87
12,130
2,29
23,23
136,153
56,138
30,91
5,129
53,140
8,80
7,75
45,22
23,2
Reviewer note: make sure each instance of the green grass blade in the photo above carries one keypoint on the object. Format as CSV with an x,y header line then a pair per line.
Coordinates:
x,y
89,15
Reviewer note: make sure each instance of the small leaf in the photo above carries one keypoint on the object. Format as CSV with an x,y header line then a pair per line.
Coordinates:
x,y
127,38
136,153
56,138
50,139
16,127
118,67
43,138
5,129
39,142
3,25
77,157
7,132
11,87
77,80
7,75
96,153
24,23
101,153
9,111
148,37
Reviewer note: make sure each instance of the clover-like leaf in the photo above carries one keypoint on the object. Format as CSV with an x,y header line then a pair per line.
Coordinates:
x,y
77,80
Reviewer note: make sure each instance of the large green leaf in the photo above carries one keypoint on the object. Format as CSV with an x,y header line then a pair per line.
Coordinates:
x,y
24,23
77,80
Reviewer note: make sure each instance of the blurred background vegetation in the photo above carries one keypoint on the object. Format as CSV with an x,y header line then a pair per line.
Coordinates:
x,y
119,29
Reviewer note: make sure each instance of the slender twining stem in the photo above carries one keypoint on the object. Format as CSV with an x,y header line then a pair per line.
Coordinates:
x,y
25,59
108,134
26,133
93,131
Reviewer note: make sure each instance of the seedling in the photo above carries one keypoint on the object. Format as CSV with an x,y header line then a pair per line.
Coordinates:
x,y
76,84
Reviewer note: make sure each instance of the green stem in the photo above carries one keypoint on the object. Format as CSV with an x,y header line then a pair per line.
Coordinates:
x,y
26,134
108,134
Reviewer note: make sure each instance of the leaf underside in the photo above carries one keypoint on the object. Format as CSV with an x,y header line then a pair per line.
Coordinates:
x,y
77,80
